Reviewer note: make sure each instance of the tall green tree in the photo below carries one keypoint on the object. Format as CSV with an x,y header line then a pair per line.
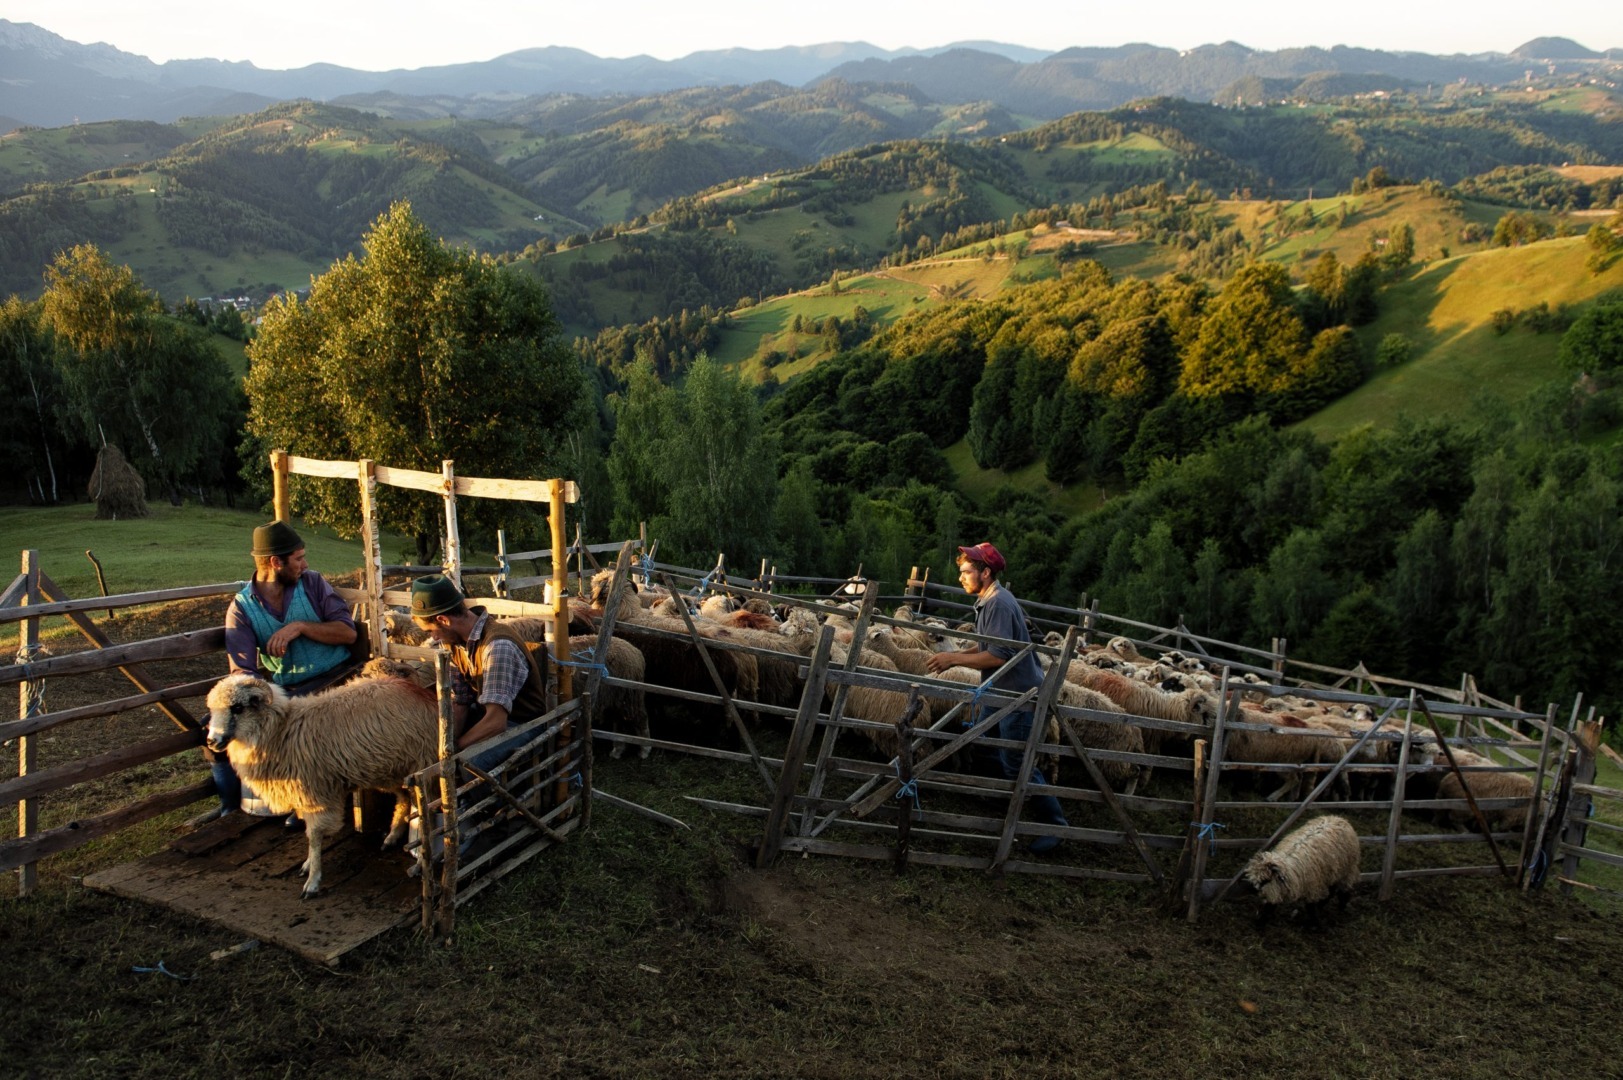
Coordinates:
x,y
130,373
1253,338
28,425
695,463
413,354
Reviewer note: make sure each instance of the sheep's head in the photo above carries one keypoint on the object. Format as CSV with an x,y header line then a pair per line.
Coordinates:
x,y
1270,876
602,581
1123,649
904,613
666,608
759,606
718,606
237,706
418,672
799,620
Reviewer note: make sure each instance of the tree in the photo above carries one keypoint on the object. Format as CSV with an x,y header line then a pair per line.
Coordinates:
x,y
131,374
694,462
411,355
27,416
1594,342
1251,339
1399,247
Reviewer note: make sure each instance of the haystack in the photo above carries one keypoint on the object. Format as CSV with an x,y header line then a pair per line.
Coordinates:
x,y
116,487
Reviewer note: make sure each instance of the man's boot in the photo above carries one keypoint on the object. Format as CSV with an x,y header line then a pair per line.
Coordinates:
x,y
1048,811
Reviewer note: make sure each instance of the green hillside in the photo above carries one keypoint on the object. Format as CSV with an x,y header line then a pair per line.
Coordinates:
x,y
1446,310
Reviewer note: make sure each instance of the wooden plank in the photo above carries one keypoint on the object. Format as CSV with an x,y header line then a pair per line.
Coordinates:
x,y
331,470
1028,761
78,771
138,675
371,894
1230,697
11,613
831,732
1574,830
173,647
81,831
1574,853
44,721
14,592
800,737
1400,784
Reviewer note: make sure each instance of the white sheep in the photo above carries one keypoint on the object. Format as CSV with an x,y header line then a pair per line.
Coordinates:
x,y
1312,863
306,754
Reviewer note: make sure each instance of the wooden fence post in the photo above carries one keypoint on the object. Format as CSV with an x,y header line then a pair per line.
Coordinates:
x,y
372,553
446,919
453,536
1538,796
30,699
560,619
502,575
794,756
1205,824
1394,825
1576,827
281,501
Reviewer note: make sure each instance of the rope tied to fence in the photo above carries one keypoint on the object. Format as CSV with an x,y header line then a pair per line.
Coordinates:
x,y
646,565
1207,831
589,664
576,780
33,689
909,789
1538,868
704,583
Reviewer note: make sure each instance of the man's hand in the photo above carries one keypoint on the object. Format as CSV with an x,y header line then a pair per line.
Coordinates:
x,y
279,641
941,661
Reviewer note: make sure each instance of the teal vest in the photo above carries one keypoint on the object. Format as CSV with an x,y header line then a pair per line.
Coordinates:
x,y
305,659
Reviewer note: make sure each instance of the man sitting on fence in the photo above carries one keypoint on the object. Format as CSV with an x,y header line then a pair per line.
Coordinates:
x,y
287,626
495,680
998,614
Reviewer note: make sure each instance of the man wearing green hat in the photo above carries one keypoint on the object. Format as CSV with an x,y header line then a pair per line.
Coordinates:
x,y
288,626
495,680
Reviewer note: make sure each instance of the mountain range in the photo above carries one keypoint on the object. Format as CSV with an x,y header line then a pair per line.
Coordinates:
x,y
50,81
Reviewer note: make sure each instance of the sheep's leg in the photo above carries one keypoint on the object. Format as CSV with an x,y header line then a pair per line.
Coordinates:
x,y
318,826
401,822
639,714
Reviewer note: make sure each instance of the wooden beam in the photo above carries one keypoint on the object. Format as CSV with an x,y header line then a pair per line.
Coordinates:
x,y
95,767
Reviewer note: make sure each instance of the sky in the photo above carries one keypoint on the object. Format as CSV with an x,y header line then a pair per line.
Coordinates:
x,y
378,35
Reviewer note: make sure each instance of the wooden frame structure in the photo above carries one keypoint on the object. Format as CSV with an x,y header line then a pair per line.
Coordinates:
x,y
800,814
549,776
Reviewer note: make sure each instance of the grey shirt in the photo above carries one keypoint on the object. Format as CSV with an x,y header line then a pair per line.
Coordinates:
x,y
998,614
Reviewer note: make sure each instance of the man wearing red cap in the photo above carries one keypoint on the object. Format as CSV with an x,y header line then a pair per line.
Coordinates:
x,y
999,614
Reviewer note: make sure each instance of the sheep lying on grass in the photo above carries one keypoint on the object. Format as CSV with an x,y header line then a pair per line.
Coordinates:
x,y
1308,866
306,754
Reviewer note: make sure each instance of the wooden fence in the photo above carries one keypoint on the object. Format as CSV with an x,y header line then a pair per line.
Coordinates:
x,y
555,750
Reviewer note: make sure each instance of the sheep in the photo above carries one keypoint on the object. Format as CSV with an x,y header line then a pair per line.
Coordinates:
x,y
420,672
620,707
306,754
676,663
1312,863
1102,735
1303,744
915,636
1482,785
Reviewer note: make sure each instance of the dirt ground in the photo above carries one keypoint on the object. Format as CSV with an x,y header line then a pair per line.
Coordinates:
x,y
635,950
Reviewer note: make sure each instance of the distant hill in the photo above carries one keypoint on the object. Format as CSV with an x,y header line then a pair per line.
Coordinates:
x,y
1553,48
51,81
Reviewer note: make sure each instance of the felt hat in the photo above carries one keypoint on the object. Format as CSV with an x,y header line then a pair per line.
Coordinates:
x,y
276,538
987,555
433,595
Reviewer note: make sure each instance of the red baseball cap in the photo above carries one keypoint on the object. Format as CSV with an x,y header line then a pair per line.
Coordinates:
x,y
987,555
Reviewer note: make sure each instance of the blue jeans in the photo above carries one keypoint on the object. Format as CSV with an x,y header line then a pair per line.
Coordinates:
x,y
1017,726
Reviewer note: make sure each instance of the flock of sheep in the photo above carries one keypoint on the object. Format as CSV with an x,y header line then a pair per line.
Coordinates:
x,y
376,730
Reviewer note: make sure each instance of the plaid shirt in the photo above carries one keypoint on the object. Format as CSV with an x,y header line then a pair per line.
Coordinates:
x,y
505,672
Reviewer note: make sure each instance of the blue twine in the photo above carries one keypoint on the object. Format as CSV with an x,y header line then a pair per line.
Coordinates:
x,y
646,564
1539,867
909,788
576,781
584,665
698,590
159,970
1207,832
